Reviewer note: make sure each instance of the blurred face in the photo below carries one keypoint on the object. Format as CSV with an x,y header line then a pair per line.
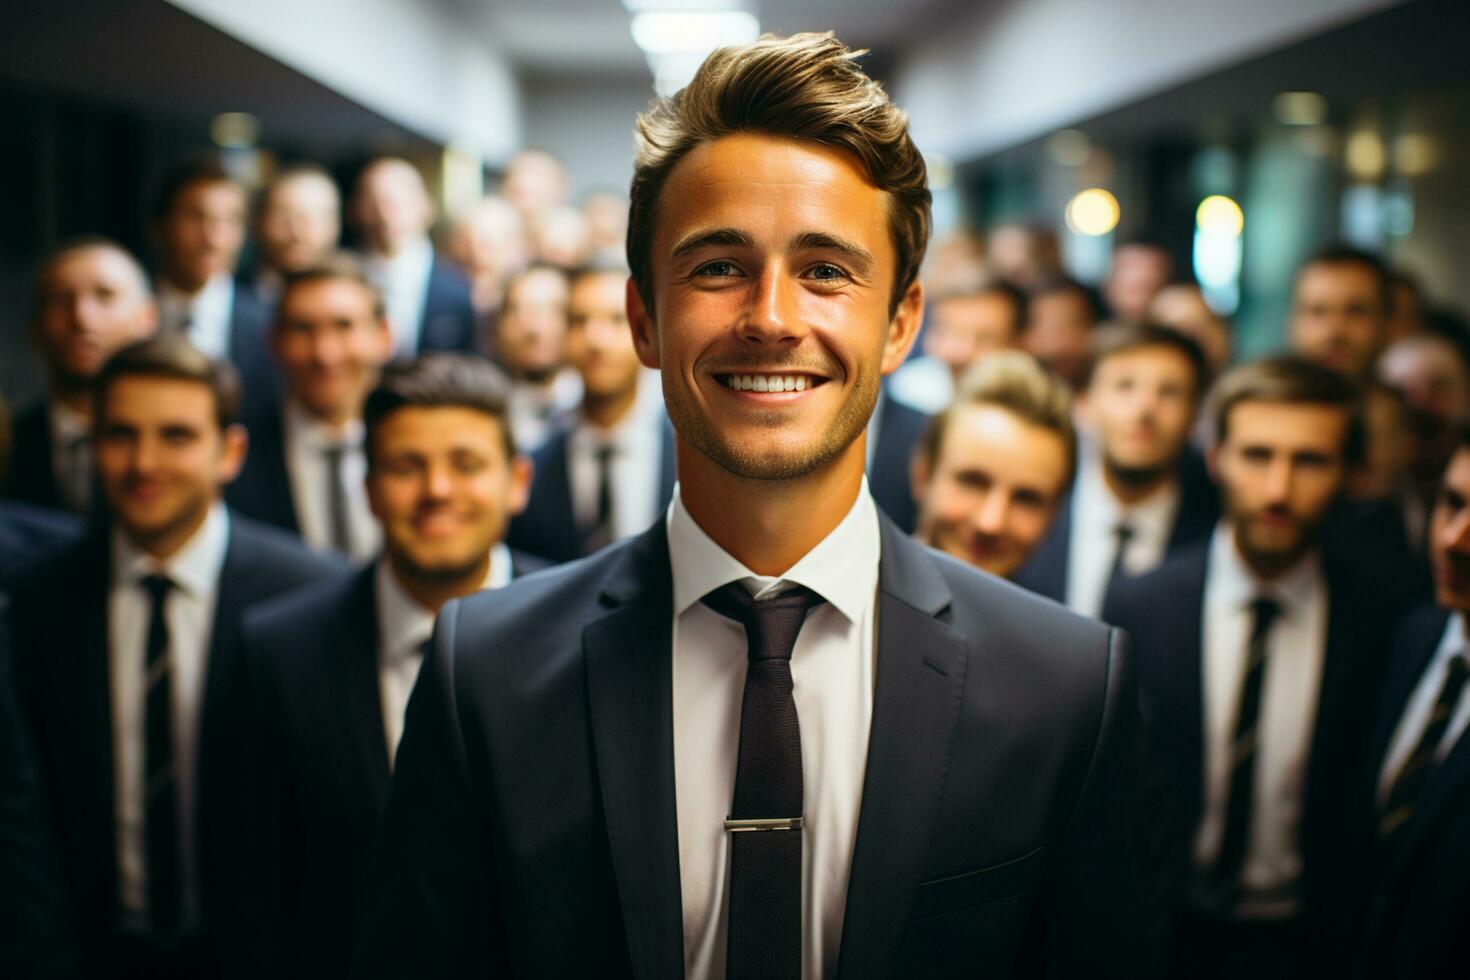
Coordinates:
x,y
1137,275
561,237
1433,379
993,489
93,302
1280,467
534,182
1449,535
599,344
162,459
1059,333
443,489
488,240
300,222
773,272
1141,406
203,232
1337,316
330,345
965,329
1184,308
1389,448
531,335
392,207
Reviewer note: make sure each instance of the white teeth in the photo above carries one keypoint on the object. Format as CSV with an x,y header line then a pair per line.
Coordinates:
x,y
767,382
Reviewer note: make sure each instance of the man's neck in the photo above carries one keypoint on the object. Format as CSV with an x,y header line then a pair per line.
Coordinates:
x,y
433,592
1130,487
74,396
336,421
607,412
1268,567
769,525
186,284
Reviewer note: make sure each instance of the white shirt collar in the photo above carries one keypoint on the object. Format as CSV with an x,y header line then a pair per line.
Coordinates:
x,y
311,431
404,625
194,568
1452,642
1097,507
211,301
1235,584
412,261
67,424
842,568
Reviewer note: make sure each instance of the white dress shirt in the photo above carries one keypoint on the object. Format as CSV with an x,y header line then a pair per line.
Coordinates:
x,y
404,282
404,627
189,611
1417,709
1093,539
71,454
637,461
832,671
203,317
1296,648
305,442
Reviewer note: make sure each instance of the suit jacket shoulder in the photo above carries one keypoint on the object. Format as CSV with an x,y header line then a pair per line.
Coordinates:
x,y
32,478
899,430
449,316
262,490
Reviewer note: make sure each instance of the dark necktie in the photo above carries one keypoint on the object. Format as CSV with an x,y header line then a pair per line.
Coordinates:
x,y
160,777
1417,767
1244,742
600,534
765,822
1122,534
337,499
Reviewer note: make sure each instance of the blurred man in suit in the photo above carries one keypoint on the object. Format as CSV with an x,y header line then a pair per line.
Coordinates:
x,y
1413,816
307,462
994,467
200,227
332,666
92,297
127,657
1260,654
934,769
1340,308
963,327
427,299
488,242
1060,317
1143,494
531,345
1139,271
609,474
297,226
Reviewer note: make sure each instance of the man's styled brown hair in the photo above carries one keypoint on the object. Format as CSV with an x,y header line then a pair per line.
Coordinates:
x,y
1127,337
439,380
169,355
1011,380
342,266
807,86
1290,380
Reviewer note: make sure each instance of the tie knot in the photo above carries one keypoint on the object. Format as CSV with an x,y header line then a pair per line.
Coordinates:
x,y
771,624
1264,611
1123,532
157,586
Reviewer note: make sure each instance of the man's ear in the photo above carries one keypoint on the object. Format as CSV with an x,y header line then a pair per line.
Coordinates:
x,y
522,475
903,327
640,321
234,446
919,478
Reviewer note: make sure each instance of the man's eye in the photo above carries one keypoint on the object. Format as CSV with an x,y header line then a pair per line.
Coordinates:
x,y
827,272
718,269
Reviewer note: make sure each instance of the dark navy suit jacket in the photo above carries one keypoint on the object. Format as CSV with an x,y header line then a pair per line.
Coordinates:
x,y
32,478
448,322
1163,611
1045,572
899,430
548,527
28,535
1414,901
262,489
59,628
531,827
320,778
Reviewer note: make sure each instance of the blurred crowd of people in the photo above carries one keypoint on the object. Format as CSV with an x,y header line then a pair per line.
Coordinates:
x,y
318,451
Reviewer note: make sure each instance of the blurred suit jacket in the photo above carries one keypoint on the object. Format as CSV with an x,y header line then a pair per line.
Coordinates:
x,y
548,528
1414,901
448,321
531,827
32,478
1163,612
59,619
1046,571
319,778
262,489
899,430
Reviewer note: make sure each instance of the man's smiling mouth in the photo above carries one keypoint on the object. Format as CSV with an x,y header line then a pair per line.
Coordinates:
x,y
769,382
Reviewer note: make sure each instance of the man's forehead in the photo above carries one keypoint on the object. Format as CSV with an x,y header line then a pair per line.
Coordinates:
x,y
1276,422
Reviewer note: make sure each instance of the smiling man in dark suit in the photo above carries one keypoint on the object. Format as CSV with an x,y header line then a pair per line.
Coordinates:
x,y
127,660
1260,653
772,736
332,666
1414,813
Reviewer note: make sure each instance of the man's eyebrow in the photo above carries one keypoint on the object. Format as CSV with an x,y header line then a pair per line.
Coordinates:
x,y
817,240
722,237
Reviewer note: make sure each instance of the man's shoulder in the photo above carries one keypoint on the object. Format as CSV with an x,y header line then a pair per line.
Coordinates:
x,y
998,602
307,612
543,610
257,547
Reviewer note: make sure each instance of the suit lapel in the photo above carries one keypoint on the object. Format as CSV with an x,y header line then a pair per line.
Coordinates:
x,y
630,694
94,737
356,652
919,681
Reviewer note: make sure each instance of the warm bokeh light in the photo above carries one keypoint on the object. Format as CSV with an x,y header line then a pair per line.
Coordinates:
x,y
1093,212
234,130
1219,215
1366,156
1299,109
